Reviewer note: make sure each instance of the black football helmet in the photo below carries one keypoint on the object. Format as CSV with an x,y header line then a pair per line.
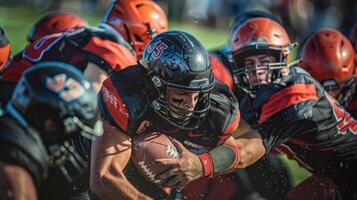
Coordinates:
x,y
177,60
60,103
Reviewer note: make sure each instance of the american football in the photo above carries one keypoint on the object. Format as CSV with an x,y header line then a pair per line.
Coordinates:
x,y
149,147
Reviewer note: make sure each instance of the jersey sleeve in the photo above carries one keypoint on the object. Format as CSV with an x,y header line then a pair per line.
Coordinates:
x,y
112,107
15,69
288,113
101,47
226,109
281,131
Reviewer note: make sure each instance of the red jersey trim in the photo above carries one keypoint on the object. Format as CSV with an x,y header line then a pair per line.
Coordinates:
x,y
221,73
115,105
117,56
15,70
287,97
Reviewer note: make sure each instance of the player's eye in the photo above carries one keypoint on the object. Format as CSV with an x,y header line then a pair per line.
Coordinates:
x,y
177,101
249,65
196,98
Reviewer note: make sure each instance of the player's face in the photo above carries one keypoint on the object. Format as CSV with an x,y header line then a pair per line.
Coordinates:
x,y
257,65
182,101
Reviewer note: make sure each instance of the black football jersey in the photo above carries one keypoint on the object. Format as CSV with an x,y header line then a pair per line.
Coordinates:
x,y
23,146
295,114
123,104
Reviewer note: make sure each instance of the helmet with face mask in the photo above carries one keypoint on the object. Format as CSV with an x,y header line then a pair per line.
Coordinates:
x,y
60,103
176,60
259,36
329,57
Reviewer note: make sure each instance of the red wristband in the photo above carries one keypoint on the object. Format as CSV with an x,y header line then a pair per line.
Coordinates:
x,y
207,164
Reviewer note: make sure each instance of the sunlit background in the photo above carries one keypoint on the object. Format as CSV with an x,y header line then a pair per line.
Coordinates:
x,y
208,20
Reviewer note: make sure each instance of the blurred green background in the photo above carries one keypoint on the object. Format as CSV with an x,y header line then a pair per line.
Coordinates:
x,y
17,22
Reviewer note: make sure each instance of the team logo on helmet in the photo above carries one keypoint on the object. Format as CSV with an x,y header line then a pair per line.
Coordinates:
x,y
157,49
68,89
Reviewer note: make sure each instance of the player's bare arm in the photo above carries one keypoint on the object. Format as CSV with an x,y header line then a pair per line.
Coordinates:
x,y
222,159
110,155
251,148
95,74
16,183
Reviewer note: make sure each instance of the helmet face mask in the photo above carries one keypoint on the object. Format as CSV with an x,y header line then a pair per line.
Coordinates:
x,y
270,64
177,116
177,63
59,111
180,116
344,92
259,37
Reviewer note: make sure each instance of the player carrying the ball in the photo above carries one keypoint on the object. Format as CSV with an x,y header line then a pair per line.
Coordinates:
x,y
171,91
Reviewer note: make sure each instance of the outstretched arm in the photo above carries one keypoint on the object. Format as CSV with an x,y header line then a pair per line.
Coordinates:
x,y
236,152
110,155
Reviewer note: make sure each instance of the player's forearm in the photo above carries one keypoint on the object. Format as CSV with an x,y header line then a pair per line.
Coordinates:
x,y
113,188
251,148
222,159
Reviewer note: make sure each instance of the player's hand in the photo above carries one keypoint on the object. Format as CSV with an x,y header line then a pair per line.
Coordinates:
x,y
182,170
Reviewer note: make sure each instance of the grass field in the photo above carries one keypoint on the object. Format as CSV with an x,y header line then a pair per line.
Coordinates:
x,y
17,23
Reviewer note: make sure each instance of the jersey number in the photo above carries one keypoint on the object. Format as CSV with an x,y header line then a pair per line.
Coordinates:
x,y
344,120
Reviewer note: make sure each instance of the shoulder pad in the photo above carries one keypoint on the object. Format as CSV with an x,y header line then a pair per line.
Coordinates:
x,y
289,94
121,97
27,149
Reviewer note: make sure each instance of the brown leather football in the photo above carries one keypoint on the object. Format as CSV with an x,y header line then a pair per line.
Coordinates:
x,y
149,147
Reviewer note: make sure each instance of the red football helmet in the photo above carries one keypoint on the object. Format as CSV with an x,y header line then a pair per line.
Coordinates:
x,y
353,37
137,21
329,57
55,22
4,50
254,37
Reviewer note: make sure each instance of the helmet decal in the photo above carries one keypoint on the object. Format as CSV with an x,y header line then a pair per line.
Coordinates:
x,y
68,89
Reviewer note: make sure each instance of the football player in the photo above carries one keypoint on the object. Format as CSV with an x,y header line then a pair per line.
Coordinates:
x,y
92,50
172,91
330,58
137,21
268,177
55,22
285,106
53,104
